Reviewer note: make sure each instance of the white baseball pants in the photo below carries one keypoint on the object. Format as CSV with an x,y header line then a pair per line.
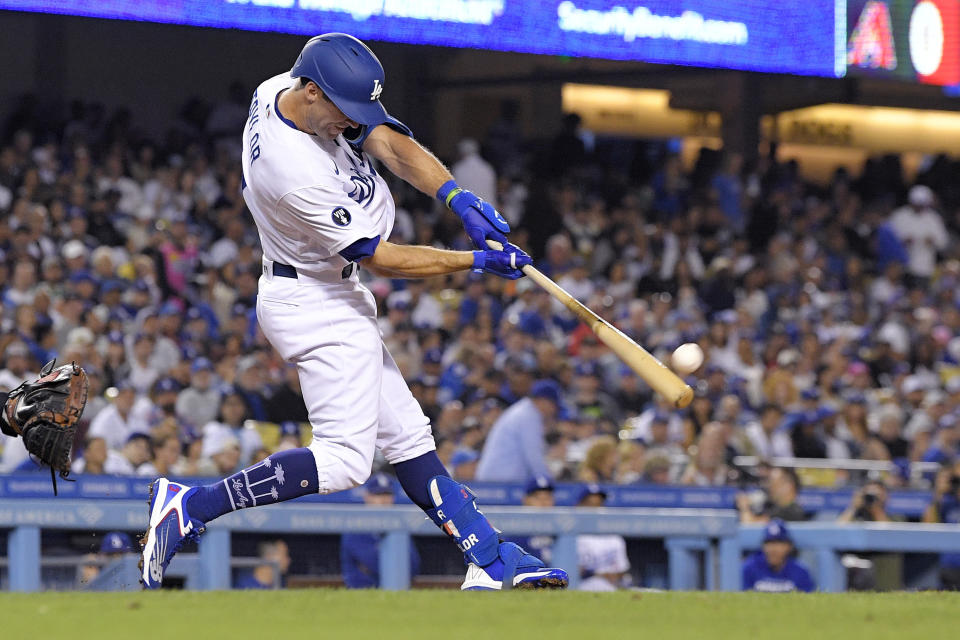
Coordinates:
x,y
356,398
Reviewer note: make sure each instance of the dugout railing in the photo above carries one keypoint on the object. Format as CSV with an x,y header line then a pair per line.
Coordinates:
x,y
705,547
26,518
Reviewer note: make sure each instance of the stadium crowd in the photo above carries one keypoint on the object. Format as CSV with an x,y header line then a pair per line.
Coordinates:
x,y
830,314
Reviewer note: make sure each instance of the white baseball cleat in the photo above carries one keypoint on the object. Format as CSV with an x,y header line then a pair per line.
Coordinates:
x,y
170,527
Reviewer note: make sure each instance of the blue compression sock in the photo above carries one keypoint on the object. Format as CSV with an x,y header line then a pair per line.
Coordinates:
x,y
414,476
282,476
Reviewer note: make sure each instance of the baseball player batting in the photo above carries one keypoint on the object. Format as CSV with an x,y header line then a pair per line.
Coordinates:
x,y
321,210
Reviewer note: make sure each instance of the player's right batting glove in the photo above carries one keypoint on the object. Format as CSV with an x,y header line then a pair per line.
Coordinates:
x,y
506,263
480,219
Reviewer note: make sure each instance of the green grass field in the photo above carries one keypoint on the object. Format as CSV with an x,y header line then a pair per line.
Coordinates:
x,y
422,615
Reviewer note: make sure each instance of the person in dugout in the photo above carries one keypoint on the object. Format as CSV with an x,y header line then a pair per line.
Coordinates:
x,y
773,569
360,552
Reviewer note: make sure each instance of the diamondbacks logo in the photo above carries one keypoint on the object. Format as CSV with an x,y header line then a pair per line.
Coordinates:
x,y
871,44
341,217
377,90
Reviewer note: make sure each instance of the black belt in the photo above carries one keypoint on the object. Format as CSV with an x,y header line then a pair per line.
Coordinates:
x,y
286,271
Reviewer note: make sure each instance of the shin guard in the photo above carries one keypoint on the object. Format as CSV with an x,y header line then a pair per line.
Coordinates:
x,y
455,511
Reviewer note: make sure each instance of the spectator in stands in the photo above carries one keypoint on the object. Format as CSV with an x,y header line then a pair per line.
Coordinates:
x,y
600,463
806,434
659,430
889,430
93,458
116,369
773,569
945,443
768,440
920,228
778,500
631,462
143,370
463,464
272,573
197,404
471,169
556,456
286,404
251,384
220,453
231,421
166,451
707,466
589,396
291,436
163,414
945,507
515,448
16,366
126,416
135,452
784,488
657,469
360,552
871,571
869,504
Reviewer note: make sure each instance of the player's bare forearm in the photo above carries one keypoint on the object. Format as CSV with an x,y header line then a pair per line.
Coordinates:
x,y
408,159
395,260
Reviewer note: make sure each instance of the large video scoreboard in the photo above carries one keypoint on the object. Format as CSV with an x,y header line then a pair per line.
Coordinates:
x,y
913,40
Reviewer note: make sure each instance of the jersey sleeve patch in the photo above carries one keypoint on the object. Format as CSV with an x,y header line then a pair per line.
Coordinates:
x,y
356,137
362,248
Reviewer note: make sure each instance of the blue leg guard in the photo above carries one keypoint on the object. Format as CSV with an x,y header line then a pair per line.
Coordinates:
x,y
492,565
455,511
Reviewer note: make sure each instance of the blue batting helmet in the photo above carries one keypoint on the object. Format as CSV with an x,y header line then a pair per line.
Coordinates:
x,y
348,72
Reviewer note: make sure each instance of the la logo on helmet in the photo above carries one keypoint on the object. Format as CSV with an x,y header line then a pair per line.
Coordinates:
x,y
377,90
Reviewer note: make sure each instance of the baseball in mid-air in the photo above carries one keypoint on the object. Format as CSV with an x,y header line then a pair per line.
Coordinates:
x,y
687,358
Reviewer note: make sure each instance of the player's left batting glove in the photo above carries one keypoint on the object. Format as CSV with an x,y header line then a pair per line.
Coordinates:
x,y
506,263
480,220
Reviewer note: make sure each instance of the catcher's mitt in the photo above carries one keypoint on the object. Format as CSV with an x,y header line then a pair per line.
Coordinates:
x,y
45,414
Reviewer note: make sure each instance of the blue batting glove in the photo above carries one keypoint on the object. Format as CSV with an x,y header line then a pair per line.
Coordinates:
x,y
480,219
506,263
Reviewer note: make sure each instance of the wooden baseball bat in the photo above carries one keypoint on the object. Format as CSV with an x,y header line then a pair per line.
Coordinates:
x,y
654,373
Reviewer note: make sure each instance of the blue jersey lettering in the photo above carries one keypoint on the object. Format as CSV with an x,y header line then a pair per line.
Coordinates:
x,y
252,120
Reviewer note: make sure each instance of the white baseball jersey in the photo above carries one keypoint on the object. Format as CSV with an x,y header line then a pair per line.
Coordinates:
x,y
311,198
602,554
